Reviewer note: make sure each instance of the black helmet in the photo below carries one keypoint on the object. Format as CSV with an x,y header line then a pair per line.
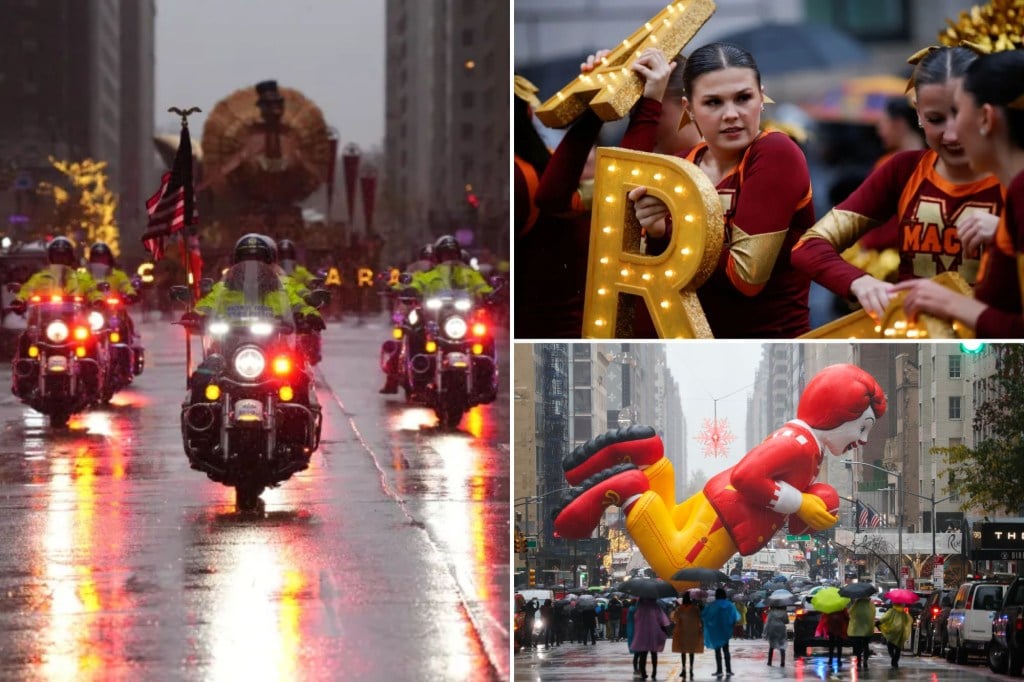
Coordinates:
x,y
254,247
427,252
60,251
286,249
101,253
446,248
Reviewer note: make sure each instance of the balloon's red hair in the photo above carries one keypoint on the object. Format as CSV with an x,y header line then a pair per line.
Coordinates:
x,y
839,394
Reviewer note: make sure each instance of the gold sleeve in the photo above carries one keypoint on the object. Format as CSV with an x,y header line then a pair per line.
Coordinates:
x,y
840,228
752,257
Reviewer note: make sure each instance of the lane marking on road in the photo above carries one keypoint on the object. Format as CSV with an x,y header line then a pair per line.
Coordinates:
x,y
464,599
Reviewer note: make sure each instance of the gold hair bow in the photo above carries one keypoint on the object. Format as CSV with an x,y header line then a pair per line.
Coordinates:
x,y
526,91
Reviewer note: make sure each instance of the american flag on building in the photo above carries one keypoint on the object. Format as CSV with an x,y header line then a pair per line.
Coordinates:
x,y
173,206
867,517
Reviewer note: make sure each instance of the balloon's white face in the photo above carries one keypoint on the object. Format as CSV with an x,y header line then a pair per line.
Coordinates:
x,y
849,435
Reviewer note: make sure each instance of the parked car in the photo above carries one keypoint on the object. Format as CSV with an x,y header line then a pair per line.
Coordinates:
x,y
969,626
926,640
1006,650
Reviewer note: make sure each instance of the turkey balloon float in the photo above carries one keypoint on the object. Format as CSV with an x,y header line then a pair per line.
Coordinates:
x,y
739,509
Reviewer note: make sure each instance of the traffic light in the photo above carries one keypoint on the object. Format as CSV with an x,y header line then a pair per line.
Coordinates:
x,y
533,577
520,542
972,347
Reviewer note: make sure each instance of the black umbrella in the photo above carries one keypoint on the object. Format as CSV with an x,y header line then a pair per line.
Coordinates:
x,y
647,588
701,575
784,48
857,590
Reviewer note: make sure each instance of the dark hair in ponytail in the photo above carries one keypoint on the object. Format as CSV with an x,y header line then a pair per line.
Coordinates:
x,y
713,57
998,79
942,64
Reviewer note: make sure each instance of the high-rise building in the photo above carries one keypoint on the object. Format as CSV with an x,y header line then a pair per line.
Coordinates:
x,y
78,83
447,115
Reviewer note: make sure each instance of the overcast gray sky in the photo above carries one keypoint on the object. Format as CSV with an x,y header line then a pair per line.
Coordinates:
x,y
707,370
331,50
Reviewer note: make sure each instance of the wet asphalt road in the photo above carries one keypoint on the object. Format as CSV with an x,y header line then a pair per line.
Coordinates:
x,y
387,559
610,661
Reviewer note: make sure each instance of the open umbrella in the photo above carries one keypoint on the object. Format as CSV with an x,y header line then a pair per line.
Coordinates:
x,y
647,588
701,575
857,590
781,598
785,48
900,596
587,601
828,600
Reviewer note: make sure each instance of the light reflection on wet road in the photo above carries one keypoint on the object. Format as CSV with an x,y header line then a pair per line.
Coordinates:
x,y
387,559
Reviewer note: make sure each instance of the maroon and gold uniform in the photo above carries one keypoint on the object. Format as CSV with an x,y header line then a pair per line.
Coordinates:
x,y
755,292
998,279
928,207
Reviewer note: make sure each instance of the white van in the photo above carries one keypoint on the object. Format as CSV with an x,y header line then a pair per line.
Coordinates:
x,y
970,620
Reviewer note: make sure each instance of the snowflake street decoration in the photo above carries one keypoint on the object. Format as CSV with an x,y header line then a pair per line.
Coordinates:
x,y
715,438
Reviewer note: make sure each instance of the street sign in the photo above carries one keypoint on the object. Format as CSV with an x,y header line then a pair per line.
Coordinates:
x,y
798,538
531,542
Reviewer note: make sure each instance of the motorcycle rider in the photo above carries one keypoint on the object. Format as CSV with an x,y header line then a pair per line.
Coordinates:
x,y
296,273
225,293
297,280
449,272
103,268
59,278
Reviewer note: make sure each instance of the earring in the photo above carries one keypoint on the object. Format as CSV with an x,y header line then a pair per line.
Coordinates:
x,y
920,124
685,119
762,107
983,132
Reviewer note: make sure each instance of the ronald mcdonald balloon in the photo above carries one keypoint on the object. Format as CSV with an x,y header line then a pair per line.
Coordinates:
x,y
741,508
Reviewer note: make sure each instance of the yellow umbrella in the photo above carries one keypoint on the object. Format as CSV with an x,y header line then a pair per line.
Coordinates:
x,y
828,600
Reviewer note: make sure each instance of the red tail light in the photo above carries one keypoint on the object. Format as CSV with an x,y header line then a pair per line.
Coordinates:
x,y
935,610
282,365
36,299
56,299
81,333
1018,624
479,329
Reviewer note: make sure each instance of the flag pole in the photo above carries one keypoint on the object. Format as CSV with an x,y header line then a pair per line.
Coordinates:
x,y
185,113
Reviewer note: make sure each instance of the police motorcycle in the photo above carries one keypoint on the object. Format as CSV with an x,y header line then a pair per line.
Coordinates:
x,y
113,331
60,367
455,368
250,419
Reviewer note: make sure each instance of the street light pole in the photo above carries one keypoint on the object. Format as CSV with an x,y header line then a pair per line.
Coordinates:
x,y
899,516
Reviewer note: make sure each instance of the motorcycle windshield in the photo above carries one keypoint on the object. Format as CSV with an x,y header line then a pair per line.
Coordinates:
x,y
46,310
252,293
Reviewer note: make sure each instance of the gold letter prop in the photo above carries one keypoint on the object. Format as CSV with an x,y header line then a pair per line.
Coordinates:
x,y
613,88
894,324
667,282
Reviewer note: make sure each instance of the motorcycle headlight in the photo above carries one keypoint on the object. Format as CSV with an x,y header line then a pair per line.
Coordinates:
x,y
261,328
249,363
96,320
218,328
57,331
413,317
433,304
463,305
455,327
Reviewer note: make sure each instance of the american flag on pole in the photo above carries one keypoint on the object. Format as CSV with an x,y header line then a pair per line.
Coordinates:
x,y
867,517
173,206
